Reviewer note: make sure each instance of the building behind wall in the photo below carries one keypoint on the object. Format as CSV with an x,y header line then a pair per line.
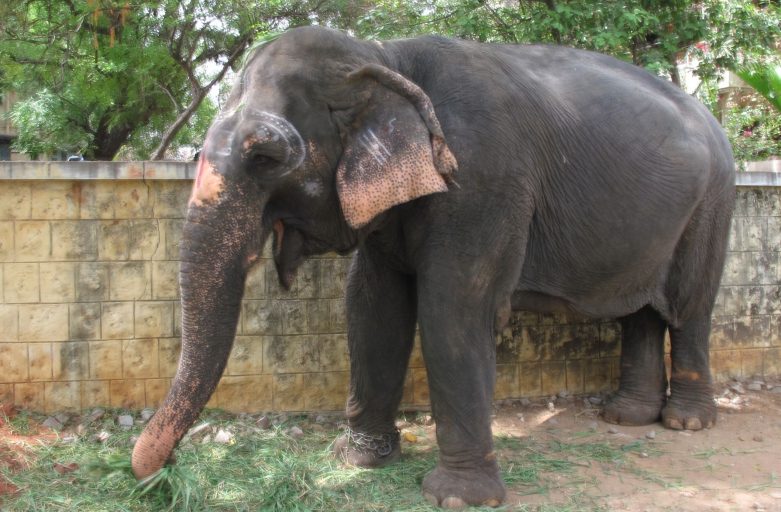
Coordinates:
x,y
7,131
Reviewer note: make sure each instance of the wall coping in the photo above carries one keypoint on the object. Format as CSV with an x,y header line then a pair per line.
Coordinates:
x,y
170,170
156,170
758,179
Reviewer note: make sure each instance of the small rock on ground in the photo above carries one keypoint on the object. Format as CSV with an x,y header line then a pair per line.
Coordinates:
x,y
737,387
223,437
264,422
651,434
296,432
147,414
52,423
197,429
96,414
125,421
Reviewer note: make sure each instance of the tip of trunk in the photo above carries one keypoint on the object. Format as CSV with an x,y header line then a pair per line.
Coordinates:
x,y
153,449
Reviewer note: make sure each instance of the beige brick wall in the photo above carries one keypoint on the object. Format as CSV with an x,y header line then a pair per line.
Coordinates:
x,y
90,314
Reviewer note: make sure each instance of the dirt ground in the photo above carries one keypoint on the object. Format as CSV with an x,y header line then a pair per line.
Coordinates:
x,y
734,466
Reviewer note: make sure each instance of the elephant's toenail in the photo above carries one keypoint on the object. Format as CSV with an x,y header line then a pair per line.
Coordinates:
x,y
453,503
693,424
674,424
493,503
431,499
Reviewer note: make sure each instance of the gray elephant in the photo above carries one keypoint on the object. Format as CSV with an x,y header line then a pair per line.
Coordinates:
x,y
470,179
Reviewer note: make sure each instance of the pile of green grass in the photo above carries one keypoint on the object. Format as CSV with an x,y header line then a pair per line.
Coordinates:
x,y
267,470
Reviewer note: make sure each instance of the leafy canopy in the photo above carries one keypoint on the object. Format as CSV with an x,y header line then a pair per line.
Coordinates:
x,y
97,75
100,75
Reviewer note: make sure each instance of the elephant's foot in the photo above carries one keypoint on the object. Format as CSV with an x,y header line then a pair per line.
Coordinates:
x,y
368,451
624,410
459,488
686,414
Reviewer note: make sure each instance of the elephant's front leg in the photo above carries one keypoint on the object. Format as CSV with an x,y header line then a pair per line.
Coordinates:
x,y
460,353
381,309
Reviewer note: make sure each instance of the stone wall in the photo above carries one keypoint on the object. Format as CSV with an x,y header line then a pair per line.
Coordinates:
x,y
90,315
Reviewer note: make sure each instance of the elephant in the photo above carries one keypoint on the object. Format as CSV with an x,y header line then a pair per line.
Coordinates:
x,y
467,180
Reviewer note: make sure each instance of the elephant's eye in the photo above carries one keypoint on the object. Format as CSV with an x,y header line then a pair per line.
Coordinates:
x,y
264,160
259,158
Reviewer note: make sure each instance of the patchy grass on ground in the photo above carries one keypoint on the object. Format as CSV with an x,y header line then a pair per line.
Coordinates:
x,y
554,457
233,463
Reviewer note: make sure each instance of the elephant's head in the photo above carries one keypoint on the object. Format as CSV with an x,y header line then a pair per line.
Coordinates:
x,y
318,140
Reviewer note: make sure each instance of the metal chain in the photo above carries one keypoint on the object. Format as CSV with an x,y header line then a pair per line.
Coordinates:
x,y
382,445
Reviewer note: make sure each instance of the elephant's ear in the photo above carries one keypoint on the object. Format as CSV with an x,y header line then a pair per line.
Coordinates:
x,y
394,148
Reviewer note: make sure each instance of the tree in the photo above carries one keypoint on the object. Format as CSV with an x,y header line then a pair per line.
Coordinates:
x,y
97,75
90,73
655,34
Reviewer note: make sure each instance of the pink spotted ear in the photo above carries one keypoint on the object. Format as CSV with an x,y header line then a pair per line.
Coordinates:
x,y
391,155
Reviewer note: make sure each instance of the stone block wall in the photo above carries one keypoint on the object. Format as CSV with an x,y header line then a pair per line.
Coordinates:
x,y
90,313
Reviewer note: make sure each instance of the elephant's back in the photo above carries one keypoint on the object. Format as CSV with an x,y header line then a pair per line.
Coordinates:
x,y
627,160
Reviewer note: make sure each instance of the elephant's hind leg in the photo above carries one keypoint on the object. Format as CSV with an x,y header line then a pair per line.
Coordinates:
x,y
692,288
643,383
381,328
691,405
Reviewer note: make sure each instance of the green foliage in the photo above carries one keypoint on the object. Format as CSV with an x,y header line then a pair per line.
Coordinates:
x,y
88,82
97,75
766,80
754,131
652,33
716,35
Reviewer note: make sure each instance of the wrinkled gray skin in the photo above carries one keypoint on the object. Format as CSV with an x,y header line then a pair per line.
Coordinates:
x,y
583,184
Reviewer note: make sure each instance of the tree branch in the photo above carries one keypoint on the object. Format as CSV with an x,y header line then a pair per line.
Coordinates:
x,y
198,94
505,28
555,33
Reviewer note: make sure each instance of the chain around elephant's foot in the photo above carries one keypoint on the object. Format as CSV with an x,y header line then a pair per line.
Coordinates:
x,y
622,409
366,450
460,488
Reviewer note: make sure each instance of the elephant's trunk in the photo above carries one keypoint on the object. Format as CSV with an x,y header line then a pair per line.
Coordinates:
x,y
219,243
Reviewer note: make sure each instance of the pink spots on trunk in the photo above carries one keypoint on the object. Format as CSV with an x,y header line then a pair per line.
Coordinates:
x,y
208,184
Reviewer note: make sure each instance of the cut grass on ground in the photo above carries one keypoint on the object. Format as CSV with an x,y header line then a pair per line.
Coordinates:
x,y
271,470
